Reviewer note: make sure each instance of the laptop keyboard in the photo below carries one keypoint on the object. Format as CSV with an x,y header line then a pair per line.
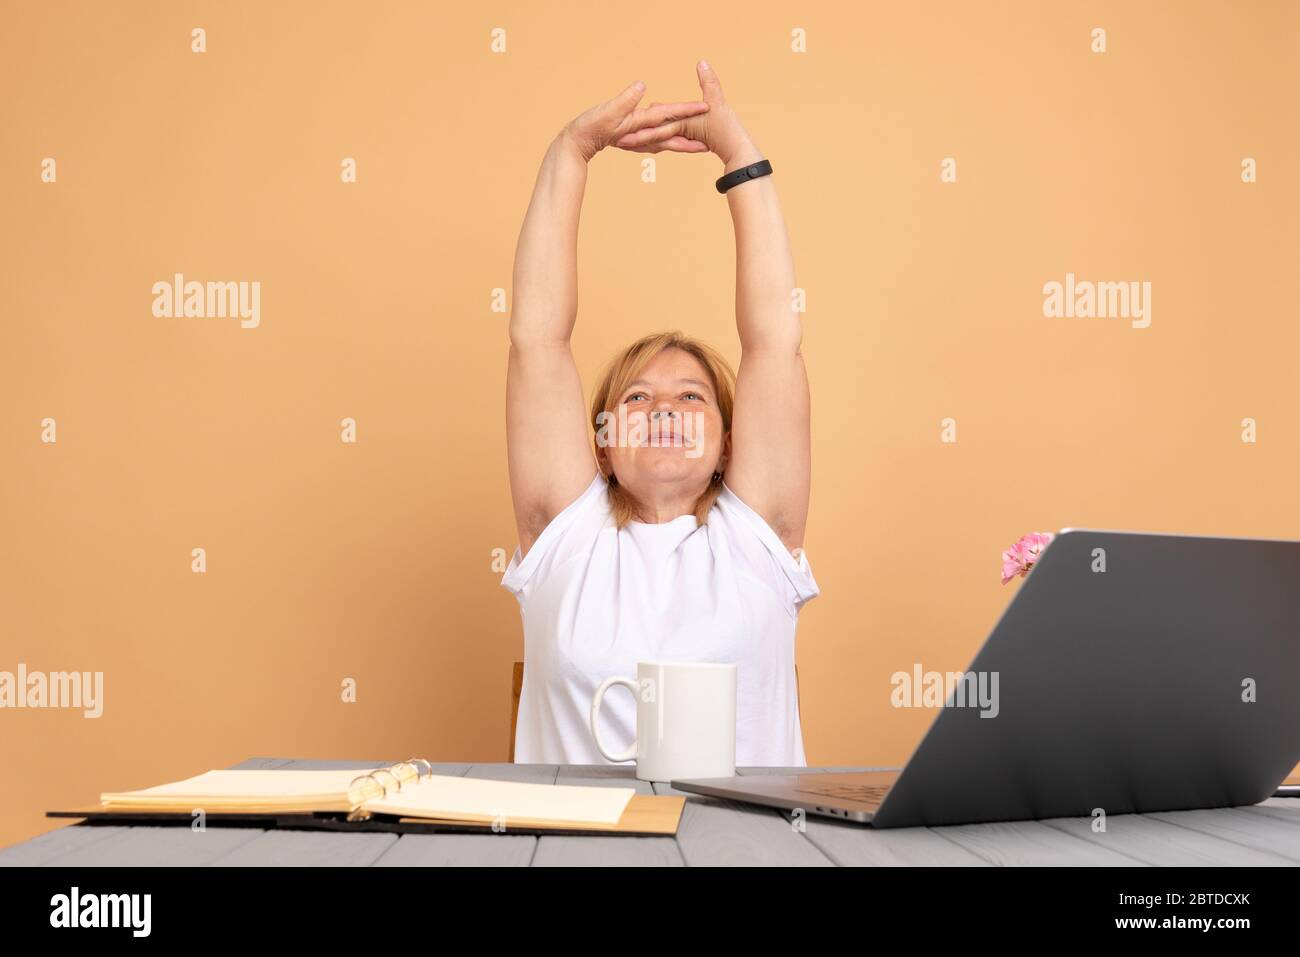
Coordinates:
x,y
866,793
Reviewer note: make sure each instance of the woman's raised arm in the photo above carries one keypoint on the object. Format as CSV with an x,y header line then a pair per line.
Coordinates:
x,y
771,447
550,457
771,460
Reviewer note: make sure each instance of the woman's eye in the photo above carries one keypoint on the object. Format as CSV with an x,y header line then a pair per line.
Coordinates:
x,y
691,395
635,395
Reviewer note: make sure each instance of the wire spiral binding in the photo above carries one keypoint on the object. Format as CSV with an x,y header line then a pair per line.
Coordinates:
x,y
396,772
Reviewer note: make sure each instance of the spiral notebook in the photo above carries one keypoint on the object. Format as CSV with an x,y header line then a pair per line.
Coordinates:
x,y
407,793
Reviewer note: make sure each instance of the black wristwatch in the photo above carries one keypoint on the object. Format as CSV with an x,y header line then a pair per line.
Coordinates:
x,y
743,175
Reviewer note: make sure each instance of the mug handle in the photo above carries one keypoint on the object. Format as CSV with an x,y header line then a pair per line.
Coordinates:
x,y
595,710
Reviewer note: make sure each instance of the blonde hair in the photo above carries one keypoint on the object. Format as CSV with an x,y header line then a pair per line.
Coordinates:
x,y
624,368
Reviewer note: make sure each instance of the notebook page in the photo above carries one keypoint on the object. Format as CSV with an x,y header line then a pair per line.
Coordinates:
x,y
272,786
478,799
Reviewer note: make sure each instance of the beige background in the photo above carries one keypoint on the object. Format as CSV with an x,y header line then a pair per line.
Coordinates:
x,y
373,561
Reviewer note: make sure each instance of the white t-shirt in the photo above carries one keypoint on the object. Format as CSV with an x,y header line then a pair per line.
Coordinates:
x,y
595,600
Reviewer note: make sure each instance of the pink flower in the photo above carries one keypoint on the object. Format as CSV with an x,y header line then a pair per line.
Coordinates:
x,y
1022,556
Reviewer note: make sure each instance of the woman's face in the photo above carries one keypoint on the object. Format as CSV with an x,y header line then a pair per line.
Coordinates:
x,y
666,429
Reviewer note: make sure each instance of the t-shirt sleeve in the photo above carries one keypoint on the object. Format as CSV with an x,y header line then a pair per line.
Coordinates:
x,y
521,571
795,571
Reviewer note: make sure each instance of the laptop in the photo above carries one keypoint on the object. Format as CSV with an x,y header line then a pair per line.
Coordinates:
x,y
1131,672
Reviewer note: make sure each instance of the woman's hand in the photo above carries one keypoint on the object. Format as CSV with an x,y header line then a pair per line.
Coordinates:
x,y
608,122
717,130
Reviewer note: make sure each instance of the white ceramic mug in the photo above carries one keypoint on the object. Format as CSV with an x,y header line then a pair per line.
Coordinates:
x,y
685,720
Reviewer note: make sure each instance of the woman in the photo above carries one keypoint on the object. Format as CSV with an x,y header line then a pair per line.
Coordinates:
x,y
682,540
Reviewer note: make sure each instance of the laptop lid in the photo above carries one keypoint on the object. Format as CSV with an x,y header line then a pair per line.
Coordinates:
x,y
1131,672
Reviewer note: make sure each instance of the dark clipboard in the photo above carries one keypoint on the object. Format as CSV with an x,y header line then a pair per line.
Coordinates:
x,y
337,821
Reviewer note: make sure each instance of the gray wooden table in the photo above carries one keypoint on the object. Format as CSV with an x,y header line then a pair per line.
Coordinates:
x,y
712,832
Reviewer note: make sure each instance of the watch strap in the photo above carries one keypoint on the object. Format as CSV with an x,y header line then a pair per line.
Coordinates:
x,y
743,175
